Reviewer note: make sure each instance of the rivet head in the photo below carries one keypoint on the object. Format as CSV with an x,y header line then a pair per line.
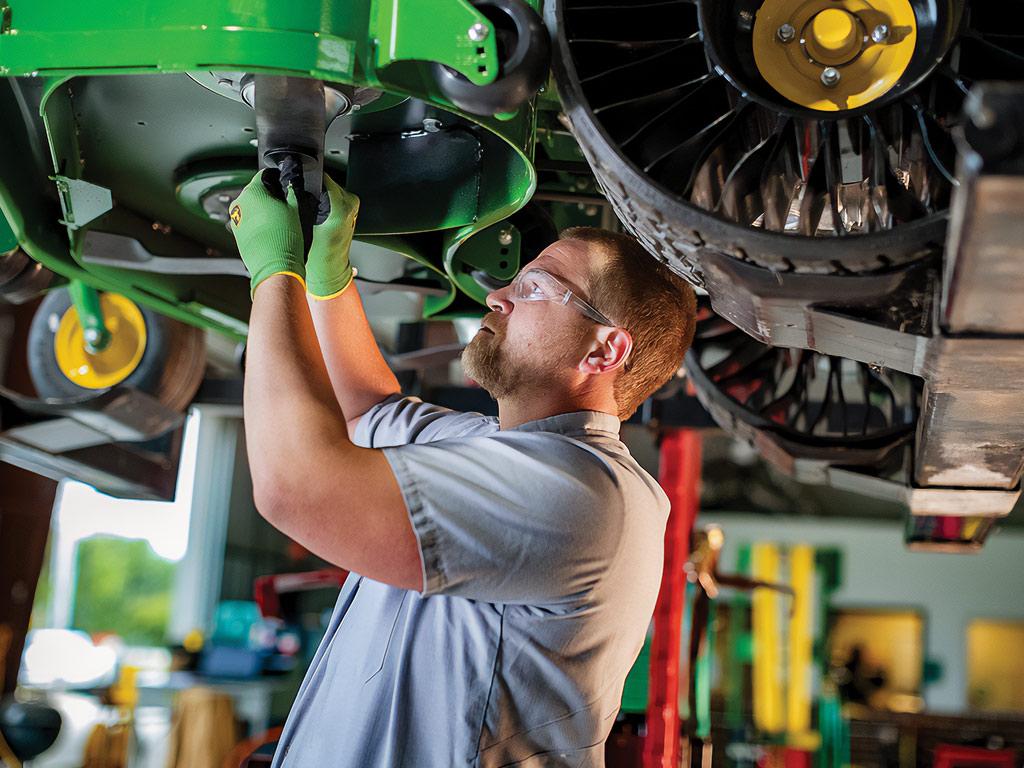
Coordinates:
x,y
478,32
786,33
830,77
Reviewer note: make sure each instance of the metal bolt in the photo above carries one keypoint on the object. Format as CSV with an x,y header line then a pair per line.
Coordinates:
x,y
830,77
880,33
505,237
786,33
478,32
431,124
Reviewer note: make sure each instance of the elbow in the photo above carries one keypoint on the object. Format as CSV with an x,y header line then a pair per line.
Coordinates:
x,y
273,498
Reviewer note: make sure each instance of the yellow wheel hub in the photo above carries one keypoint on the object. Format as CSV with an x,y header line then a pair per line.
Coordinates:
x,y
115,363
834,36
834,54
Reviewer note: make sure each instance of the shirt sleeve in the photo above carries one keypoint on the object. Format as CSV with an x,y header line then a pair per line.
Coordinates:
x,y
398,420
513,518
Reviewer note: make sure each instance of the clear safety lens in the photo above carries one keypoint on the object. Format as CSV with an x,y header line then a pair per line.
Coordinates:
x,y
538,285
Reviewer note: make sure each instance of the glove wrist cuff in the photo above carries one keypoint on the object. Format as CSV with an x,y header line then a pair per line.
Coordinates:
x,y
323,291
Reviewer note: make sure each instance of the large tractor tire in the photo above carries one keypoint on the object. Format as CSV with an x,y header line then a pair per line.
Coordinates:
x,y
798,403
799,137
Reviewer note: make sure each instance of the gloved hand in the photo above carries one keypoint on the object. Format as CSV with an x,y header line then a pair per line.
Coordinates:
x,y
328,271
266,227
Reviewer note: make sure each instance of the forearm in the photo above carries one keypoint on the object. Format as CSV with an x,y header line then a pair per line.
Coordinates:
x,y
359,375
289,406
310,481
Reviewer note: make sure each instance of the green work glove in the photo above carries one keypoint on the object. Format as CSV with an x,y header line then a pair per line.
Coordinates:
x,y
328,271
266,227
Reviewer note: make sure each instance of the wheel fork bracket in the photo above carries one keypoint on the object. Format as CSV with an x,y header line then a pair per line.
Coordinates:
x,y
86,301
443,32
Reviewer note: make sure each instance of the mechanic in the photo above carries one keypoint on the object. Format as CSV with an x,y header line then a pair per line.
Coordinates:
x,y
503,571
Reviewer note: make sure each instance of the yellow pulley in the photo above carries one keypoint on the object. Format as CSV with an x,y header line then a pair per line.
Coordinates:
x,y
116,362
832,55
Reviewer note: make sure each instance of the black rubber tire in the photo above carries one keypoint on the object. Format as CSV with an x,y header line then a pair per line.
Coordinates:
x,y
171,367
675,231
524,52
21,278
744,422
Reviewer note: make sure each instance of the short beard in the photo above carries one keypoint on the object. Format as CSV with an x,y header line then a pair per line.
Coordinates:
x,y
486,363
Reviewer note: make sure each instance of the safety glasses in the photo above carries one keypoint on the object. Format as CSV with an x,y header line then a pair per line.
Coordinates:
x,y
537,285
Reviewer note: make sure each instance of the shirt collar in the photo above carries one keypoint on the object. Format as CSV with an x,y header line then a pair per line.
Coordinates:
x,y
575,424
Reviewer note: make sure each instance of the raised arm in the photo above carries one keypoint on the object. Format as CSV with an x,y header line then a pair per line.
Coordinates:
x,y
359,375
309,480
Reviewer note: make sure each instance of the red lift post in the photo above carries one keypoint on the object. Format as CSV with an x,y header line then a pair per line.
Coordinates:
x,y
679,475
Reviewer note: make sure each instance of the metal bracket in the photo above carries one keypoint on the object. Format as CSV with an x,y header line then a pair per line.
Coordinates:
x,y
453,33
91,440
81,202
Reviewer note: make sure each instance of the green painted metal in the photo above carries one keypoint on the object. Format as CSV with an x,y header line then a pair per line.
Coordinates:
x,y
435,32
740,654
81,201
411,250
685,710
835,732
702,678
86,301
485,251
8,240
108,91
347,41
634,692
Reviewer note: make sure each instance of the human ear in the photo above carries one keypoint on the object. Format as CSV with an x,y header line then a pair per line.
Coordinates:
x,y
608,352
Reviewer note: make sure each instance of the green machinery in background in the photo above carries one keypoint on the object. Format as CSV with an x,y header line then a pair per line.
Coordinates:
x,y
127,128
758,652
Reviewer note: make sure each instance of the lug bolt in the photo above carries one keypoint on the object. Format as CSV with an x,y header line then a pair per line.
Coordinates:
x,y
479,32
880,33
830,77
786,33
505,237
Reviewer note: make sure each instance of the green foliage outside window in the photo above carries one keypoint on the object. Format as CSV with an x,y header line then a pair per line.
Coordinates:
x,y
123,587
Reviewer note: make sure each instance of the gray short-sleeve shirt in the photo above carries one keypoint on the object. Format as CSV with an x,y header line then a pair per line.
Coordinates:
x,y
541,549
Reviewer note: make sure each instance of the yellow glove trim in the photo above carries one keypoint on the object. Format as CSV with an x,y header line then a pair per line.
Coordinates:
x,y
339,292
297,276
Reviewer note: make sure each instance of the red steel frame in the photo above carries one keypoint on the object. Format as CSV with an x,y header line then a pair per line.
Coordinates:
x,y
679,475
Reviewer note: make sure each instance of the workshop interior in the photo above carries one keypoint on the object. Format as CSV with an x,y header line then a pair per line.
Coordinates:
x,y
842,182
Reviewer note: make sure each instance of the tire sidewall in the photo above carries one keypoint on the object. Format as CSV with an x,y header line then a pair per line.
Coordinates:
x,y
51,382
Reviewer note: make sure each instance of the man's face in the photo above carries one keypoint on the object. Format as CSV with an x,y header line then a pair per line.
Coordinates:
x,y
525,343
